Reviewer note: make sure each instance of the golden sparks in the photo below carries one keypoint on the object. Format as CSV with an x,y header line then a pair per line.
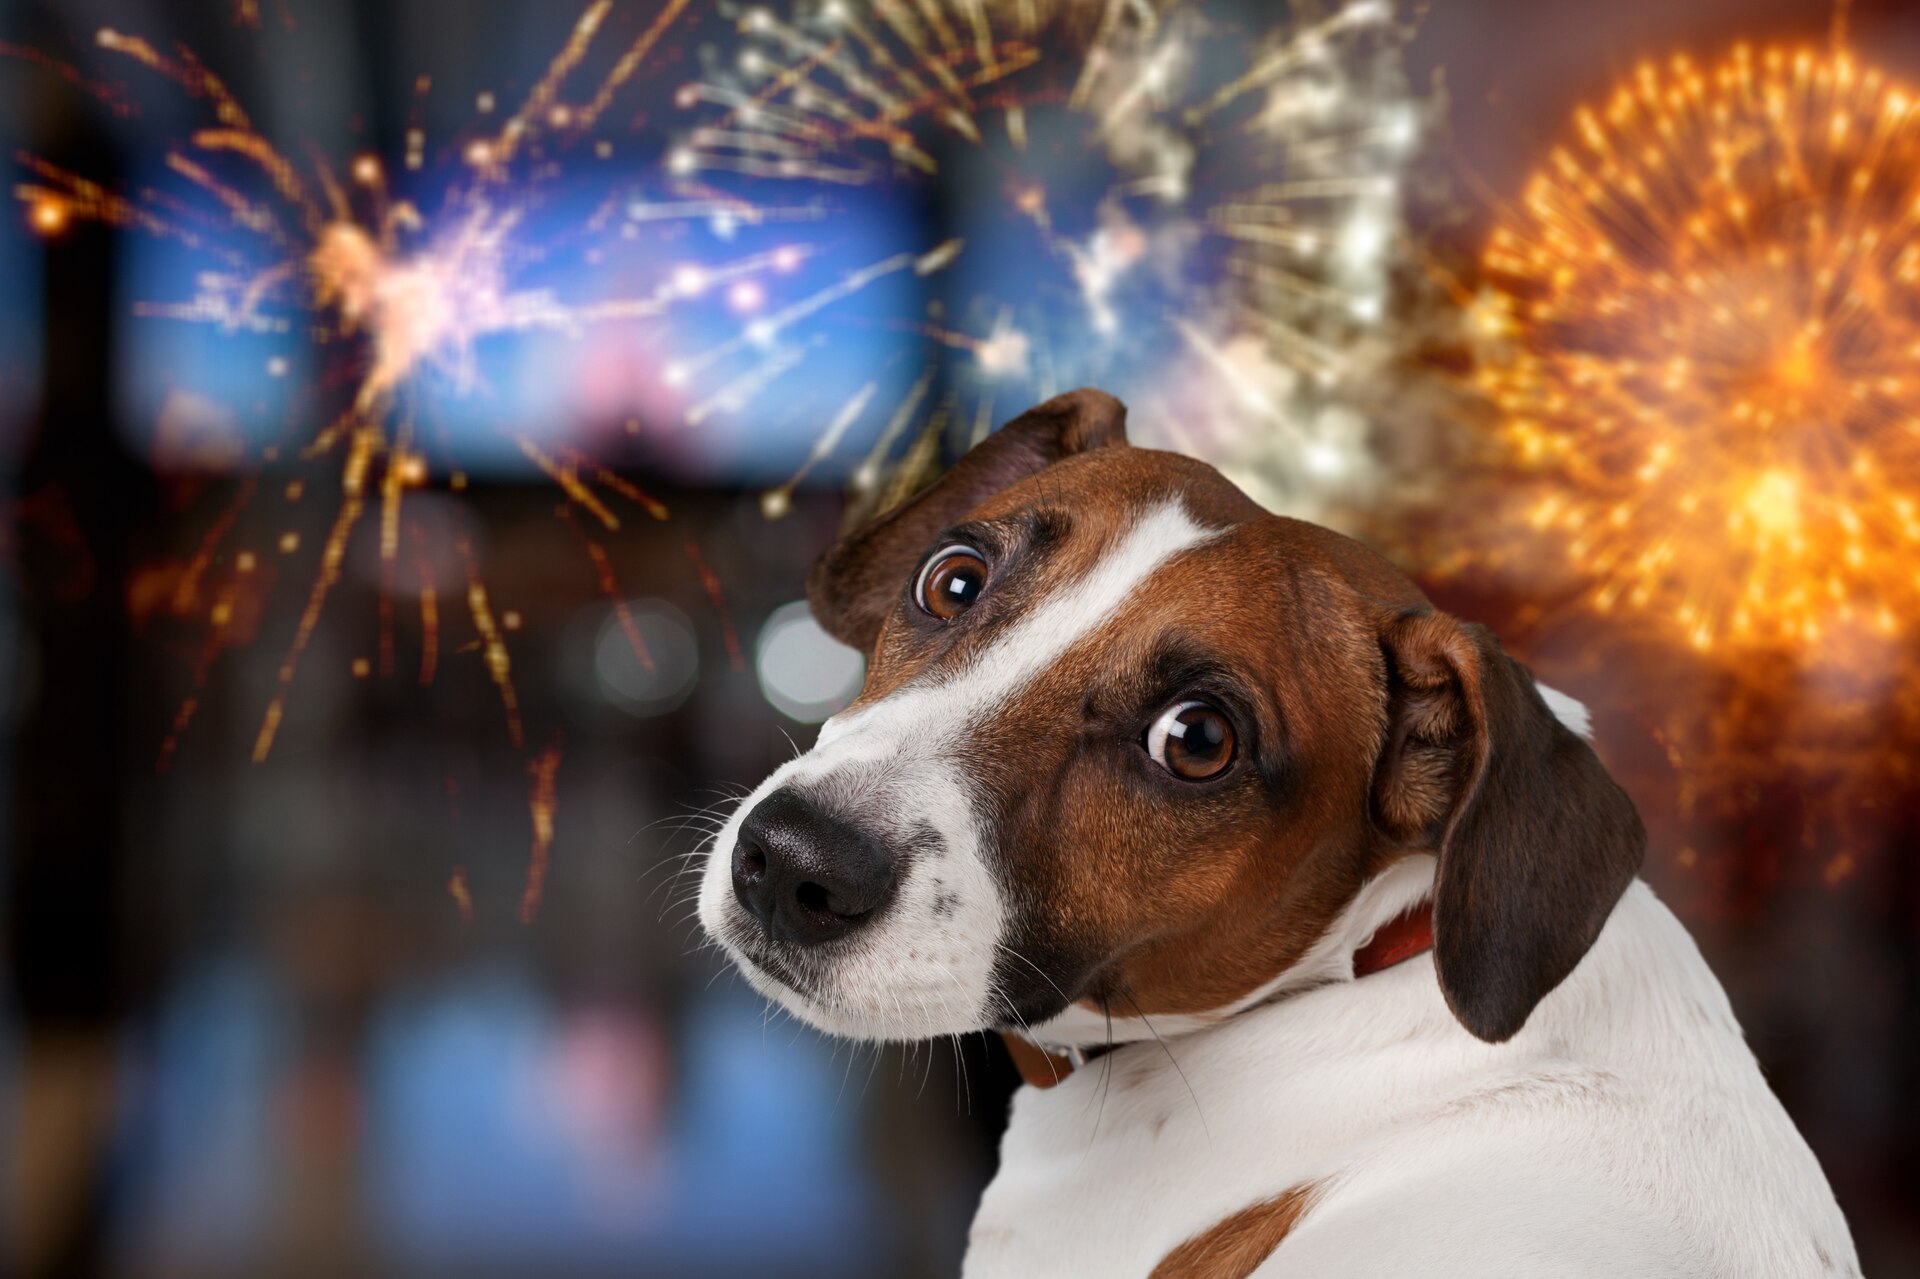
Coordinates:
x,y
543,802
1702,339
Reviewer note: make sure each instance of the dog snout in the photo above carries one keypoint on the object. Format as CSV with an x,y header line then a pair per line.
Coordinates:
x,y
806,876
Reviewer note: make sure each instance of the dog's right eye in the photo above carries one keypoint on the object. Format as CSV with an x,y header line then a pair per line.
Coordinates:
x,y
1192,740
952,580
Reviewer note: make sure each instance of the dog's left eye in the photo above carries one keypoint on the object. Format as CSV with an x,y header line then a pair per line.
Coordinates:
x,y
950,583
1192,740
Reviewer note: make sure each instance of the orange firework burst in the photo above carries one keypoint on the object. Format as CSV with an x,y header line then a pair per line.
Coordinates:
x,y
1703,332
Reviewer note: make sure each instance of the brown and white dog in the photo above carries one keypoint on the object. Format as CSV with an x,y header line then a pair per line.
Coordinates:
x,y
1135,761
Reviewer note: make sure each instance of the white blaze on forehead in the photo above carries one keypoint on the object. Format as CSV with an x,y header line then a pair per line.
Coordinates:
x,y
1038,640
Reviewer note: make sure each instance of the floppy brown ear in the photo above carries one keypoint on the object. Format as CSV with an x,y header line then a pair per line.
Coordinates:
x,y
854,585
1535,841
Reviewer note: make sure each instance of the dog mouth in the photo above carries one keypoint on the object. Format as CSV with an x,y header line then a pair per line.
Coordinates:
x,y
772,965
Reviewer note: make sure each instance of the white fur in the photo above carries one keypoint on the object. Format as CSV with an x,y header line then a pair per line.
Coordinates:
x,y
1626,1131
916,971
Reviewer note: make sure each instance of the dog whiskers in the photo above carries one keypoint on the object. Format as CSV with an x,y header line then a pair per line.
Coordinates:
x,y
1036,968
1174,1062
998,994
1106,1083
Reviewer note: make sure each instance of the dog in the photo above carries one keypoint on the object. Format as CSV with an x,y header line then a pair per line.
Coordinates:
x,y
1322,914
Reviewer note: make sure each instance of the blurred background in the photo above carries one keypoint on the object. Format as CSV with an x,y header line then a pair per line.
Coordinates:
x,y
417,420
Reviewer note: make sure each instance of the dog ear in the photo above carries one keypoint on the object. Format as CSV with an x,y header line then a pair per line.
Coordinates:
x,y
1535,841
854,585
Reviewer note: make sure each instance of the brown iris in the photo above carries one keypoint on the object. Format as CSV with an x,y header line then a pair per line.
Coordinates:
x,y
951,582
1192,740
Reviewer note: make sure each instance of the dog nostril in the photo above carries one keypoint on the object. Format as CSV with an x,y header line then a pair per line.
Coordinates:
x,y
753,863
812,897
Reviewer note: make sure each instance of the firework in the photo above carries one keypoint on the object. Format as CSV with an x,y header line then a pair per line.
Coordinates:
x,y
1202,218
1701,339
1696,339
399,297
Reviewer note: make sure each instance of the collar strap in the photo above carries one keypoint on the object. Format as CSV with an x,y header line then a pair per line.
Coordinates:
x,y
1399,939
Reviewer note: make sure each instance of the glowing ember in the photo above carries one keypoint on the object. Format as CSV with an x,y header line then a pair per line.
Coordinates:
x,y
49,216
543,803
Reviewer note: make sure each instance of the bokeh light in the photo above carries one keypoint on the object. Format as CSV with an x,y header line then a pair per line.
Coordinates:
x,y
804,672
646,657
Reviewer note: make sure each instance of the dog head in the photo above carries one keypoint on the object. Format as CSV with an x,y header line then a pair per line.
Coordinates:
x,y
1131,746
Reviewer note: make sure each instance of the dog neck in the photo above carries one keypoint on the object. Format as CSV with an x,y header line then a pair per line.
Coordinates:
x,y
1389,922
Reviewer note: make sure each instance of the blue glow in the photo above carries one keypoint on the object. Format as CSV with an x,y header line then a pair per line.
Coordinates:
x,y
866,336
494,1137
185,390
499,1129
577,384
199,1161
1151,253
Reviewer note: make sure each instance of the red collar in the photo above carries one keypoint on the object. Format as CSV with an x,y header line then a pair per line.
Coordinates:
x,y
1399,939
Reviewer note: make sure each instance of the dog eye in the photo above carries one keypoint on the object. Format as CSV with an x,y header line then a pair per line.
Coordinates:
x,y
1193,741
951,582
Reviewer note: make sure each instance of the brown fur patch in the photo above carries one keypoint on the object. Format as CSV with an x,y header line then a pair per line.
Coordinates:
x,y
854,586
1237,1246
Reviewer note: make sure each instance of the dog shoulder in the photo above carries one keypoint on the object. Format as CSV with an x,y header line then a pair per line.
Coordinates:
x,y
1531,1188
1479,1215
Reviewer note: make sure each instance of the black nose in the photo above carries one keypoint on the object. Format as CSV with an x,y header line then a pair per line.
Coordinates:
x,y
807,877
